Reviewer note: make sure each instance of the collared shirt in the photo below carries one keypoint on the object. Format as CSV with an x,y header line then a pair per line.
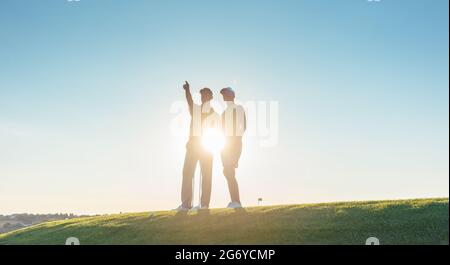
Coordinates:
x,y
203,117
234,122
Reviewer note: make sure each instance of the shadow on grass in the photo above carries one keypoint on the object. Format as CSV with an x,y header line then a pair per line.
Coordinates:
x,y
181,214
240,211
203,212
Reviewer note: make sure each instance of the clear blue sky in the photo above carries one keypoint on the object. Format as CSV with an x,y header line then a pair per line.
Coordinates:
x,y
86,88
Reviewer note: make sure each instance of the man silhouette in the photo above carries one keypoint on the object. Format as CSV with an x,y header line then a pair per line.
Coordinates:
x,y
202,117
234,124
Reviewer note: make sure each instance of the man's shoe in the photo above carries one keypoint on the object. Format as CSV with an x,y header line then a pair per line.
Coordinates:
x,y
234,205
198,208
181,208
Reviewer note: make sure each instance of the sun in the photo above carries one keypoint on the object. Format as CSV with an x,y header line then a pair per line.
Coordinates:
x,y
213,140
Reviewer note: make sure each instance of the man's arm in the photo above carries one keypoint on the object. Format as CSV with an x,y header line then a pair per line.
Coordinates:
x,y
244,116
245,122
189,100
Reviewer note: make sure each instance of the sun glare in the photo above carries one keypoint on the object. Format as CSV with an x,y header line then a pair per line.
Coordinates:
x,y
213,140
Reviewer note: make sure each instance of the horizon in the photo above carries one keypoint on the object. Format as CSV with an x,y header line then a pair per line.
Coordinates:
x,y
213,208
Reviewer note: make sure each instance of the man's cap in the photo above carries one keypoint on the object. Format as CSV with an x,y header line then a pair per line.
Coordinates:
x,y
206,90
227,90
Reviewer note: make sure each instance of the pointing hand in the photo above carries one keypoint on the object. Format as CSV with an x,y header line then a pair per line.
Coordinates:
x,y
186,85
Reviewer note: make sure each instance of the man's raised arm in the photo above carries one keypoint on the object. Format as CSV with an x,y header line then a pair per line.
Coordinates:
x,y
189,100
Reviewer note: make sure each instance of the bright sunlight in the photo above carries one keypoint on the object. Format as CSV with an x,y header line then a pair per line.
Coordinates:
x,y
213,140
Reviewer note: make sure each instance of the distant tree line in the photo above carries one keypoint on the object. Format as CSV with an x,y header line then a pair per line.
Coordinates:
x,y
17,221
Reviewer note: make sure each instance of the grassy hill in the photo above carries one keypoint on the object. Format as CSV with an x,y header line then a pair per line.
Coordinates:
x,y
420,221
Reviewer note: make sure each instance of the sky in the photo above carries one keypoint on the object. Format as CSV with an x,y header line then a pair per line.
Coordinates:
x,y
87,87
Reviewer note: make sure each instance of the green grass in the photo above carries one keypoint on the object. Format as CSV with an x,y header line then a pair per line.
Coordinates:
x,y
419,221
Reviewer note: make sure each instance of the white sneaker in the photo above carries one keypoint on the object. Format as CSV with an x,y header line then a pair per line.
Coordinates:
x,y
181,208
198,207
234,205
